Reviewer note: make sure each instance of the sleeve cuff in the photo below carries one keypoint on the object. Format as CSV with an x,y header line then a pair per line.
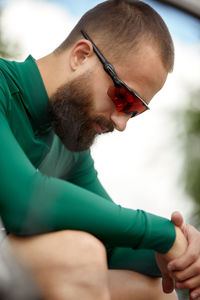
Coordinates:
x,y
159,234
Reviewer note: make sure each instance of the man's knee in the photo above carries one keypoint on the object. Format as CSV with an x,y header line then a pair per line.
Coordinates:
x,y
86,258
84,243
67,249
85,264
61,241
77,258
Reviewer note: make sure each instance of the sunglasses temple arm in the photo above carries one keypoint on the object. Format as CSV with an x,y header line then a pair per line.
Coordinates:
x,y
107,66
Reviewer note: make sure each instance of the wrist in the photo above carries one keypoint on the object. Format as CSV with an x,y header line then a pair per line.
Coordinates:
x,y
179,246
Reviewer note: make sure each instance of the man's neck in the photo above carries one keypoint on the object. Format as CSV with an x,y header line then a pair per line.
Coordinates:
x,y
53,70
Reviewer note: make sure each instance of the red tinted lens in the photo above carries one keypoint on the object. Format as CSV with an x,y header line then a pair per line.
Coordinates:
x,y
125,101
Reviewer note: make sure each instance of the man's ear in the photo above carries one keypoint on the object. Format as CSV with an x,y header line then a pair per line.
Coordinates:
x,y
81,51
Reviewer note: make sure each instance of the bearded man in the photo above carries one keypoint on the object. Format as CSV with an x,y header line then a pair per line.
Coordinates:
x,y
61,222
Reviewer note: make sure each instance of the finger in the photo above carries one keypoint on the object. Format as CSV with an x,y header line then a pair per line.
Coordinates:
x,y
192,252
167,284
177,219
195,293
189,284
184,261
191,271
180,263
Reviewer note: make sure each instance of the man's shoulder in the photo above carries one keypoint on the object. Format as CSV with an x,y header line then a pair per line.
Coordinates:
x,y
7,76
4,86
6,66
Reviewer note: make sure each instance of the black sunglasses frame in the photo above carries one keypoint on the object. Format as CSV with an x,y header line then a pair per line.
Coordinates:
x,y
108,67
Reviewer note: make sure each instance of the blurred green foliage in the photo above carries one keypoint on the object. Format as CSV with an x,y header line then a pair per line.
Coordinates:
x,y
7,49
191,150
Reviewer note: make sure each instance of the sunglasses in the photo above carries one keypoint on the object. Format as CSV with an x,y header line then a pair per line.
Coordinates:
x,y
125,99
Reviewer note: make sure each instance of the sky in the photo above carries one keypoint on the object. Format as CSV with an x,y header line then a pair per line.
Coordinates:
x,y
141,167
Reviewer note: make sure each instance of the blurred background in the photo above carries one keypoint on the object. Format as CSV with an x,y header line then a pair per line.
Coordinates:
x,y
155,164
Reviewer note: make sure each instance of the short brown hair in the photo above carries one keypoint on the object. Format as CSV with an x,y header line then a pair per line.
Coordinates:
x,y
117,26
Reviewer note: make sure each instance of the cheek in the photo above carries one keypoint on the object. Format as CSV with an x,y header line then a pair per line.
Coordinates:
x,y
101,101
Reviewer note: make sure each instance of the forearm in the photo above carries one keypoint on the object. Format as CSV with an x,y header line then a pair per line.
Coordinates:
x,y
177,249
32,203
50,204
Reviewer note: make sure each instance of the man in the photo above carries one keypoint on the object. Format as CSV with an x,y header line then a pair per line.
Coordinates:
x,y
59,217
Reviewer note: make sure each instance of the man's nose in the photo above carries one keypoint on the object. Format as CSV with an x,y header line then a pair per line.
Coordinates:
x,y
120,120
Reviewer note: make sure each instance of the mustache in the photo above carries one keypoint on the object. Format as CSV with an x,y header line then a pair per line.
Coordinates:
x,y
104,123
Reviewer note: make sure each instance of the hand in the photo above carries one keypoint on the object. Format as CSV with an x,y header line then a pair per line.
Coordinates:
x,y
186,269
178,248
167,279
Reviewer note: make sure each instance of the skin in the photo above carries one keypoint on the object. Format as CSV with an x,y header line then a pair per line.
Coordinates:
x,y
176,251
72,265
70,112
186,268
146,75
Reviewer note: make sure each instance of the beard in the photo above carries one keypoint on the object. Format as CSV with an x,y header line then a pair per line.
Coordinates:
x,y
71,115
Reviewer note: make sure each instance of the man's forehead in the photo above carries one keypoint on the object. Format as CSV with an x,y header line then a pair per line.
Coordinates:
x,y
143,71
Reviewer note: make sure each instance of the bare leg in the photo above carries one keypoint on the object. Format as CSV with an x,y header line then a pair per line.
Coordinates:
x,y
129,285
71,265
66,264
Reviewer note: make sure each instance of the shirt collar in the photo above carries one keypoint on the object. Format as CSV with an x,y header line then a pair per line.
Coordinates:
x,y
35,96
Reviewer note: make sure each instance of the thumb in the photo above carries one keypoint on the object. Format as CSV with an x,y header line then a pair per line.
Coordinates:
x,y
177,219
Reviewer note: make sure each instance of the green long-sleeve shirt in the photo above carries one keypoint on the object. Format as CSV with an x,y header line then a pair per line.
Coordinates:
x,y
44,187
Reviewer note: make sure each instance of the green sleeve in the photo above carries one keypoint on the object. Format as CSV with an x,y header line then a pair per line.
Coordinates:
x,y
32,203
138,260
85,175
